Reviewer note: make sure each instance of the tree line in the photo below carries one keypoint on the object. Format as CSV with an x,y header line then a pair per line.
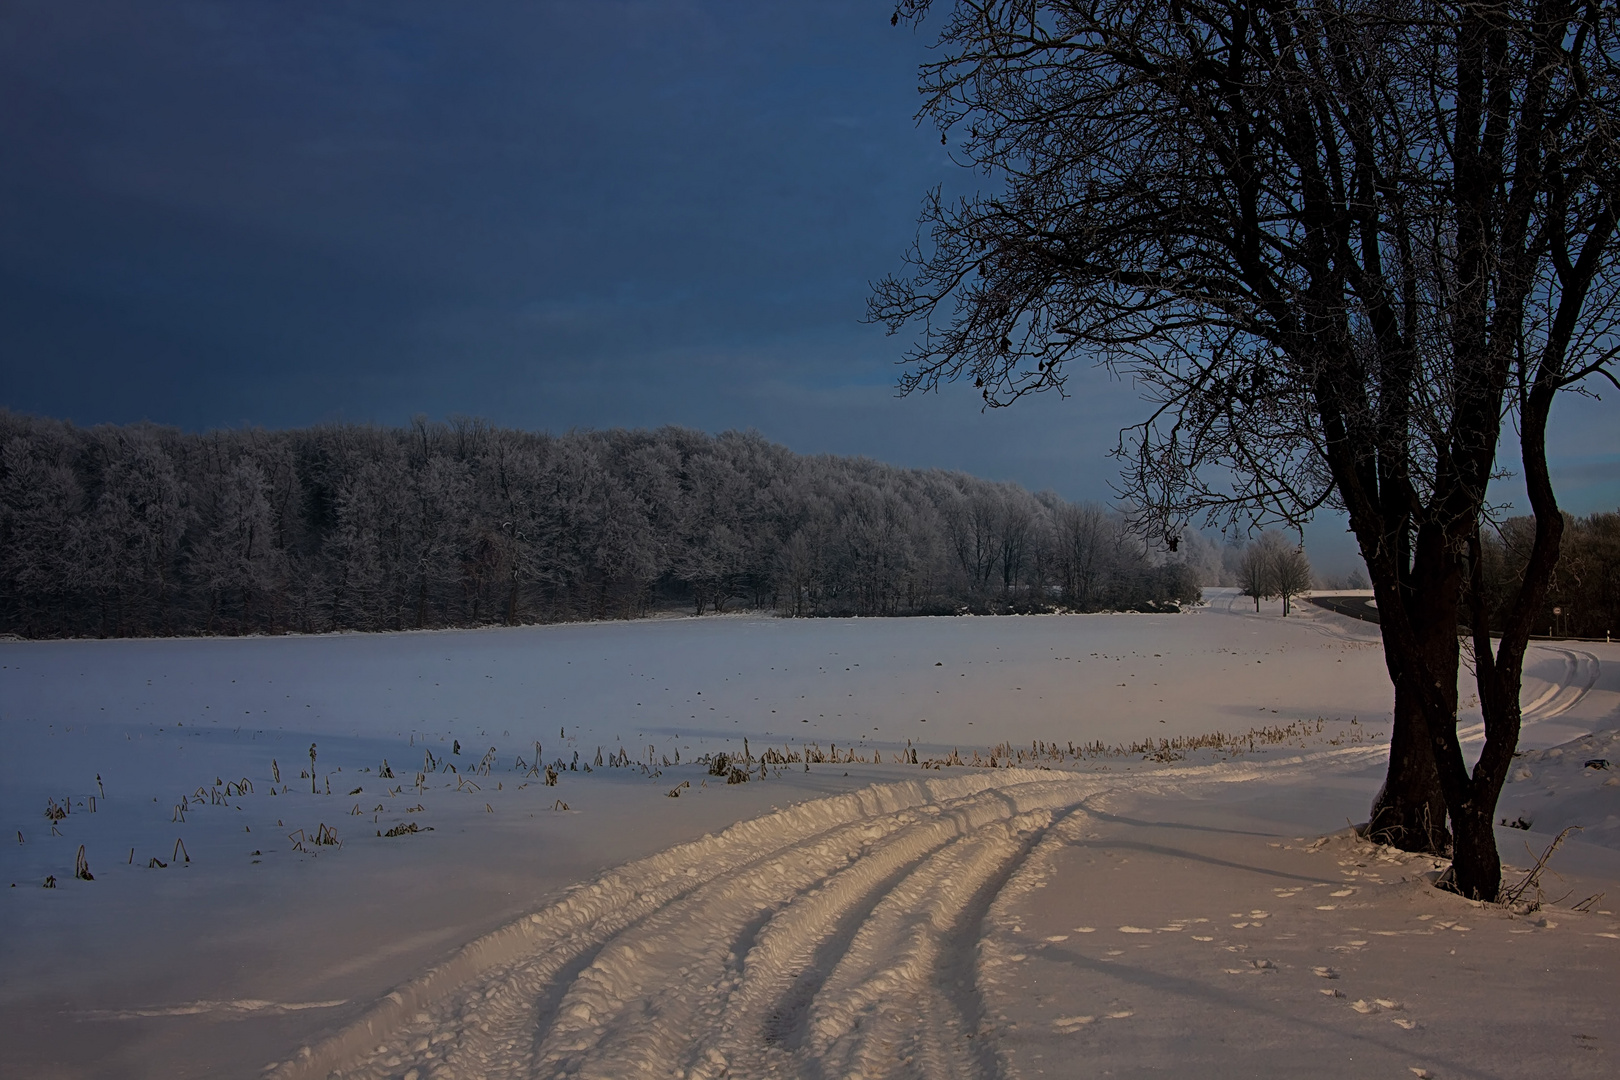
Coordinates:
x,y
1583,598
146,530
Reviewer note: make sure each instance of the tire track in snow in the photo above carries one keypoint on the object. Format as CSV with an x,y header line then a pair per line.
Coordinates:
x,y
797,950
995,946
834,938
885,1010
1581,670
528,952
1580,674
671,974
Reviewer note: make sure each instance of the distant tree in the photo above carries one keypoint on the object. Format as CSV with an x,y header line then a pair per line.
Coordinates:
x,y
796,569
1083,546
440,488
41,534
235,560
1257,574
1206,557
1290,572
132,537
877,548
1017,536
972,519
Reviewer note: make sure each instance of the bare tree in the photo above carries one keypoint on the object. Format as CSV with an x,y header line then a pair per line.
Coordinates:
x,y
1340,242
1016,533
1256,574
972,522
1290,570
1082,548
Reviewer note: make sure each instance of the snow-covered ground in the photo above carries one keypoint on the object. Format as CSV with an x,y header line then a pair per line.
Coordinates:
x,y
856,917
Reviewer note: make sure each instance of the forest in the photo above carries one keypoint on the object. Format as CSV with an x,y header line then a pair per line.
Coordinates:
x,y
141,530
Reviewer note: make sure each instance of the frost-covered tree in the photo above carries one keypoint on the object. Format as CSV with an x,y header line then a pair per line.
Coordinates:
x,y
132,535
41,534
147,530
235,560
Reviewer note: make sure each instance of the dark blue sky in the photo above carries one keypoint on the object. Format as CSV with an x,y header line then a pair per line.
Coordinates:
x,y
548,214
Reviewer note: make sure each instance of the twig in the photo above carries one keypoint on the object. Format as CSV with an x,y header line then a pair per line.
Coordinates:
x,y
1532,880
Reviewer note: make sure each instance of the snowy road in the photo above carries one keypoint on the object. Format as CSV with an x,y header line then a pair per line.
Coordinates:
x,y
837,938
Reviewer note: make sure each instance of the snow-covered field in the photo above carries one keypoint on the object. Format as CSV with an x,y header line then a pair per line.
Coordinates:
x,y
1073,914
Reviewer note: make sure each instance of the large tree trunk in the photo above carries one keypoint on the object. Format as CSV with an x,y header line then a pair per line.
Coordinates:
x,y
1471,795
1410,810
1476,868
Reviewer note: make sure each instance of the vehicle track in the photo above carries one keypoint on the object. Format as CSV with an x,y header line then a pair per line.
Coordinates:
x,y
836,938
1558,696
1580,674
